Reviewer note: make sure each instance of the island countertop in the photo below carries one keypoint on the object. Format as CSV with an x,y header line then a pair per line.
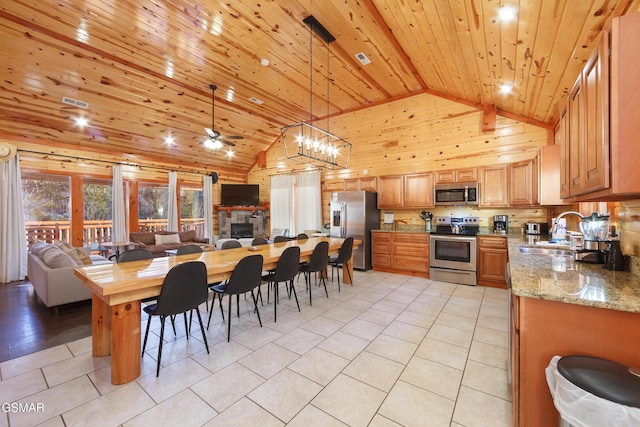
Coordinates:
x,y
560,278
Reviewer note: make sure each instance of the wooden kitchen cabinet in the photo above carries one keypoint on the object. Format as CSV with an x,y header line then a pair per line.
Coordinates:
x,y
492,259
391,192
493,186
418,190
542,329
550,182
456,175
356,184
523,183
381,250
563,128
403,253
599,154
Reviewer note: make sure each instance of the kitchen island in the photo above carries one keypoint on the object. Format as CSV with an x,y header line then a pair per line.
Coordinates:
x,y
562,307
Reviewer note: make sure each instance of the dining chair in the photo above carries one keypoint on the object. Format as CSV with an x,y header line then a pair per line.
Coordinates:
x,y
344,255
246,276
257,241
316,264
231,244
285,271
280,239
134,255
189,249
184,289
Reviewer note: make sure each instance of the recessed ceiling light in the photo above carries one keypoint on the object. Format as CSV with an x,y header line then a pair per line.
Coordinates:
x,y
264,62
81,121
507,13
506,88
169,140
229,153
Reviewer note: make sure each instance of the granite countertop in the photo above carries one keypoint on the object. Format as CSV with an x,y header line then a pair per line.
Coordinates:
x,y
560,278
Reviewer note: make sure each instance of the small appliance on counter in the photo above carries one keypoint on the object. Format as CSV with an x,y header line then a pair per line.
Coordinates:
x,y
614,259
500,224
596,250
536,228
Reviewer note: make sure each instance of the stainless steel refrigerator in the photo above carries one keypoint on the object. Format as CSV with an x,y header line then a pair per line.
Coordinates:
x,y
355,213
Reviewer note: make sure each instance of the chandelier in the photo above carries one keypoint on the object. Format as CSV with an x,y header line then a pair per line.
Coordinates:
x,y
305,142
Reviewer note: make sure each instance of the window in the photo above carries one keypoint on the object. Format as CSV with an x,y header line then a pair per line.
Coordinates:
x,y
47,207
152,207
192,210
97,207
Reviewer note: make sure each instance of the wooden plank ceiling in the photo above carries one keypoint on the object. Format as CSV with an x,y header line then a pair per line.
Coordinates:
x,y
144,67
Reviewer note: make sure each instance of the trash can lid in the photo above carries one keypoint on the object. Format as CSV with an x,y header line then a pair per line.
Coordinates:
x,y
603,378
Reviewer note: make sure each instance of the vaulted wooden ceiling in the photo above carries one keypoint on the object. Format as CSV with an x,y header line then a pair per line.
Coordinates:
x,y
144,67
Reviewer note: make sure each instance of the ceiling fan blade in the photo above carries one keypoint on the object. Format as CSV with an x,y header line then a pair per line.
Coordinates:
x,y
229,143
211,133
231,137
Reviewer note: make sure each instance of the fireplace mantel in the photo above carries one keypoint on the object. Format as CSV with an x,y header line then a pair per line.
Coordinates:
x,y
228,209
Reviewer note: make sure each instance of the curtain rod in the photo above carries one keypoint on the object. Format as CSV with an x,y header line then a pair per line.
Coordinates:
x,y
111,162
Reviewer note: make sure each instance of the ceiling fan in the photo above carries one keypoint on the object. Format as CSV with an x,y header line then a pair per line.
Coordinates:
x,y
213,138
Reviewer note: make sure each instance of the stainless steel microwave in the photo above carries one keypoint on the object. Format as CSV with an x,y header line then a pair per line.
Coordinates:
x,y
456,194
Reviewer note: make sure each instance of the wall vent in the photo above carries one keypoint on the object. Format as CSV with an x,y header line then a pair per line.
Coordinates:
x,y
74,102
360,56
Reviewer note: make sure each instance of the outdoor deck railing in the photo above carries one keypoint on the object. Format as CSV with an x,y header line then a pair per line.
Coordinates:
x,y
95,232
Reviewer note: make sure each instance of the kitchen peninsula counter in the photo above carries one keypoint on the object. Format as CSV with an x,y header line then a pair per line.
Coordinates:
x,y
570,281
564,307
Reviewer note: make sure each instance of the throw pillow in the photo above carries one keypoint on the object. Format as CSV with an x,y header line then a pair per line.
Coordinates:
x,y
42,252
85,259
167,238
38,246
187,236
62,245
58,259
74,255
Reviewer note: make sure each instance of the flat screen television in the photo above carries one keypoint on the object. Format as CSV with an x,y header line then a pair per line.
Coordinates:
x,y
240,195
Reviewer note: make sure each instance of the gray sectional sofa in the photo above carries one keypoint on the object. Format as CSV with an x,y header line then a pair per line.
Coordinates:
x,y
55,283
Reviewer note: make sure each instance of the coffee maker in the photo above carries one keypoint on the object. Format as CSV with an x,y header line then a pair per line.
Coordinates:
x,y
500,224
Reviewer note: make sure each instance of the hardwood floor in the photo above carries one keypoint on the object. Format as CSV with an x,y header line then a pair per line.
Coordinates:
x,y
27,325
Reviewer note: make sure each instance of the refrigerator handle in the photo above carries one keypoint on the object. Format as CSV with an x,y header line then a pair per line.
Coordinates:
x,y
343,220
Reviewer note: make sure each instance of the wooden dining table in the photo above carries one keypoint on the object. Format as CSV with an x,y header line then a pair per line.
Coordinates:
x,y
118,289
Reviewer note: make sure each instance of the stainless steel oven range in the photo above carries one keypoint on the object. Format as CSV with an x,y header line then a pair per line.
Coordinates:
x,y
453,250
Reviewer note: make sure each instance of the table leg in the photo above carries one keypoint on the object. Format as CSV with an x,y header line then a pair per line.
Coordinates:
x,y
100,327
125,342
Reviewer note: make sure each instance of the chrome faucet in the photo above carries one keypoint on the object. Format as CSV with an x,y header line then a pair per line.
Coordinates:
x,y
555,225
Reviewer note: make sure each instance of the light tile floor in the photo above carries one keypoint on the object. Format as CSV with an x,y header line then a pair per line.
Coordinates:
x,y
391,350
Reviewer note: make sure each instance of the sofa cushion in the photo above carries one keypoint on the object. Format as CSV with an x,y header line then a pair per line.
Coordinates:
x,y
144,238
42,252
187,236
38,246
168,238
58,259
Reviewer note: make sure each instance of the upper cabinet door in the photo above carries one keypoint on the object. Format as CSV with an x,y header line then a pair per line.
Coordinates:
x,y
523,183
493,189
418,190
391,192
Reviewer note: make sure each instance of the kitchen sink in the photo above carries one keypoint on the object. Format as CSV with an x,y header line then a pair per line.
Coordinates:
x,y
546,251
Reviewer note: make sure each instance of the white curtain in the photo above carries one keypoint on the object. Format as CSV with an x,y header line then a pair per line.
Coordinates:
x,y
118,213
282,202
208,208
308,204
13,244
172,212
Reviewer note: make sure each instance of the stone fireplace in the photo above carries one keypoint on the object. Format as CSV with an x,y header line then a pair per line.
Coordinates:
x,y
236,223
241,230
